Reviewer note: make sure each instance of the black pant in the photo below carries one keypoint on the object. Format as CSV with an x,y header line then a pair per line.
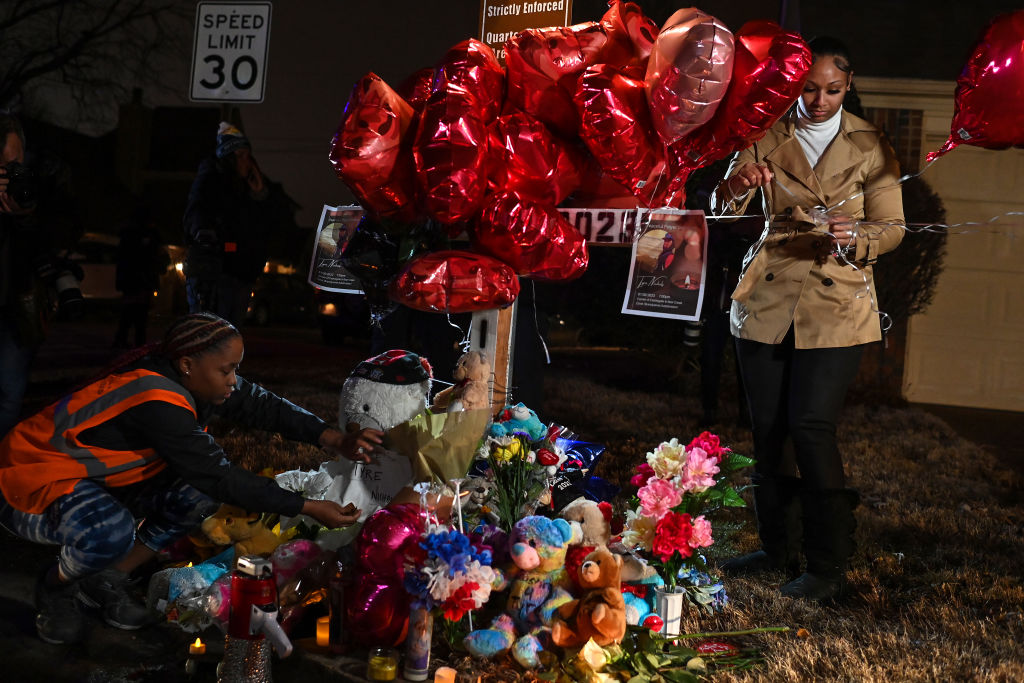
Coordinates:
x,y
799,394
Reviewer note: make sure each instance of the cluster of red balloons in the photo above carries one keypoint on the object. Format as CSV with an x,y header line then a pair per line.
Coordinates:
x,y
607,109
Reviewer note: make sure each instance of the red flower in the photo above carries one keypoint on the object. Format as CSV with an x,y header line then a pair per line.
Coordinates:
x,y
643,473
672,534
710,444
461,601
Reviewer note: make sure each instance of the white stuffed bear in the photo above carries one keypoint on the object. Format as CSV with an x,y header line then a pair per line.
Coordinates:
x,y
381,392
384,391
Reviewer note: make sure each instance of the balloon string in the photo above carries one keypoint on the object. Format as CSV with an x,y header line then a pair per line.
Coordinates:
x,y
465,343
536,322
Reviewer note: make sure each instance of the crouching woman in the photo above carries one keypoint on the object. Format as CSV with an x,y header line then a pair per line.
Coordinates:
x,y
134,444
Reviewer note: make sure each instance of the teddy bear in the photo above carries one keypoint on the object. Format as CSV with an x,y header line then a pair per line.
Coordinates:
x,y
600,614
518,419
233,525
380,393
638,578
538,588
471,390
384,391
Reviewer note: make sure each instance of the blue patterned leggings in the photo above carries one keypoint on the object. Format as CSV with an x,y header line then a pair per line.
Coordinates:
x,y
96,527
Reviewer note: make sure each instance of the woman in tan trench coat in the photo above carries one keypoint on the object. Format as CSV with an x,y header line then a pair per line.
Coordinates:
x,y
802,312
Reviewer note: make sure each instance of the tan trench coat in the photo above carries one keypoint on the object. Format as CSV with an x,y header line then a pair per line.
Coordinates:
x,y
789,276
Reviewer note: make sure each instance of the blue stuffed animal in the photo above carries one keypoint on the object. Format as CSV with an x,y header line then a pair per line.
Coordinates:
x,y
518,419
538,588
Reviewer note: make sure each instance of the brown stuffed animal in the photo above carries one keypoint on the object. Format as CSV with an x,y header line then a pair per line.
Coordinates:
x,y
470,391
601,612
233,525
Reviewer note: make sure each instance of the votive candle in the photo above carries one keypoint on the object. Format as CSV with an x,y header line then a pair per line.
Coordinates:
x,y
197,648
444,674
323,631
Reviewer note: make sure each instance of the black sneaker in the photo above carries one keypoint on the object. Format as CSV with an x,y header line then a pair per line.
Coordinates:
x,y
60,620
109,591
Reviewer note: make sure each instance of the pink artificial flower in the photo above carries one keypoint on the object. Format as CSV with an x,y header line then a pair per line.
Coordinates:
x,y
672,534
701,536
710,444
658,497
699,471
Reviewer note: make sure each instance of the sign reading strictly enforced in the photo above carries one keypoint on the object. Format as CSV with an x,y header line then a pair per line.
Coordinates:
x,y
502,19
229,56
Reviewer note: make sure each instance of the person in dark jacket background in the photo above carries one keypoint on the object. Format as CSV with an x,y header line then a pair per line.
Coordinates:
x,y
141,260
134,443
232,215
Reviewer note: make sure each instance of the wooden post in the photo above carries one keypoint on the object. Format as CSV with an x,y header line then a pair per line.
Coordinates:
x,y
493,332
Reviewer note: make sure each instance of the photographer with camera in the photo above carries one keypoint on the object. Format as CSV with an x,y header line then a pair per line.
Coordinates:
x,y
29,273
21,311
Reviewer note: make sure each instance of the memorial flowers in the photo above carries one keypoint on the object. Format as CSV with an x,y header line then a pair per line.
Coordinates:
x,y
677,488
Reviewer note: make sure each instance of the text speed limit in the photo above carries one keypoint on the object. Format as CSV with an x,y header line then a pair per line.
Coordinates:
x,y
230,52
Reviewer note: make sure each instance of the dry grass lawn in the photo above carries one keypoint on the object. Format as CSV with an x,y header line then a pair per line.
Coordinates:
x,y
937,574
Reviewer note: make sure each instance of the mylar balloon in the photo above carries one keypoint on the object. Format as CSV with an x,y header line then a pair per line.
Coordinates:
x,y
531,237
370,149
455,282
525,156
372,256
450,151
630,35
688,72
384,536
769,71
990,90
416,88
543,65
377,612
616,127
472,66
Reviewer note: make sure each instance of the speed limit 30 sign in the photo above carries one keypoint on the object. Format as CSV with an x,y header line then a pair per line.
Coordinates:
x,y
229,57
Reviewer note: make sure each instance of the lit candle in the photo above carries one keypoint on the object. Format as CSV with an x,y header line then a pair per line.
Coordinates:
x,y
197,648
444,674
382,664
323,631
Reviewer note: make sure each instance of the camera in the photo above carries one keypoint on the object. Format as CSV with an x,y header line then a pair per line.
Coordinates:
x,y
22,184
64,276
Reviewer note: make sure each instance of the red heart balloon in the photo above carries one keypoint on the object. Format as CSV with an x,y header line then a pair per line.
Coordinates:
x,y
531,237
370,150
630,34
472,66
455,282
525,157
450,151
416,88
543,65
616,127
688,72
990,90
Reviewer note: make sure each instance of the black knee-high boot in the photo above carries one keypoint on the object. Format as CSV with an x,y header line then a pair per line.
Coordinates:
x,y
828,544
777,509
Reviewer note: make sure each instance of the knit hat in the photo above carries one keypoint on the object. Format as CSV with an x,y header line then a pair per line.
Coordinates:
x,y
230,139
395,367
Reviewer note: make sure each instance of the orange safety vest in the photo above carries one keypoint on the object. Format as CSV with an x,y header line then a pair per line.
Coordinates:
x,y
42,458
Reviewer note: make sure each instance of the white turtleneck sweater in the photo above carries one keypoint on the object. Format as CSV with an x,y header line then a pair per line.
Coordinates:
x,y
814,137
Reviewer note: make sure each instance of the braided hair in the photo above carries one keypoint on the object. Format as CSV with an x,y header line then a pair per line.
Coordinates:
x,y
194,335
189,335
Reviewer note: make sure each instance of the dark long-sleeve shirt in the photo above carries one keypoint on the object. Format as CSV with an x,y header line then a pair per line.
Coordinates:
x,y
191,453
